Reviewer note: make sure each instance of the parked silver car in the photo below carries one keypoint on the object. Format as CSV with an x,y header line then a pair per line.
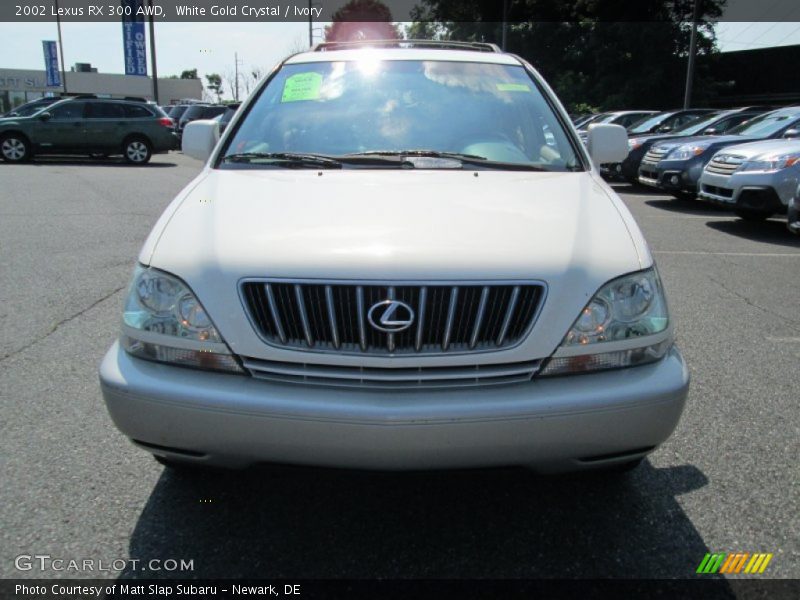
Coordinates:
x,y
756,180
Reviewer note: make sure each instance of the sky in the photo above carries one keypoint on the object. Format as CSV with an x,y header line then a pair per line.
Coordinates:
x,y
210,47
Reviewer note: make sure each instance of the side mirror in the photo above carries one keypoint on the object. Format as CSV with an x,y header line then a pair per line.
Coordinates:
x,y
791,134
607,143
664,129
710,131
199,138
45,116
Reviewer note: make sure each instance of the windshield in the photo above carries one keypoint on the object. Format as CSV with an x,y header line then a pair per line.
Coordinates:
x,y
29,110
765,125
177,112
693,127
647,124
593,119
488,111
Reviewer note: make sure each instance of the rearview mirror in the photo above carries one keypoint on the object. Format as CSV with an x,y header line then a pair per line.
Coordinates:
x,y
45,116
791,134
199,138
607,143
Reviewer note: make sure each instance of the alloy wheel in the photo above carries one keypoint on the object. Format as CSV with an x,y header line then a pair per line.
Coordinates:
x,y
13,149
136,151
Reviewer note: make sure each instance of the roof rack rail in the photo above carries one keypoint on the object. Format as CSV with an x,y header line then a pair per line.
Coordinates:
x,y
442,44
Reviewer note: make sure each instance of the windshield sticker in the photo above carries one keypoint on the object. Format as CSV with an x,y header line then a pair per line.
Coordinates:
x,y
303,86
513,87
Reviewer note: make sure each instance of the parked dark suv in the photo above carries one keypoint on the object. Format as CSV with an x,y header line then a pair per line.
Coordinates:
x,y
196,112
89,126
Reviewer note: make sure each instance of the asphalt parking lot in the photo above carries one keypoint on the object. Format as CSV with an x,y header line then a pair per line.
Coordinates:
x,y
73,487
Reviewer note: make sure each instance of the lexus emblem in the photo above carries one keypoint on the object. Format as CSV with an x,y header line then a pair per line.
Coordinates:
x,y
390,316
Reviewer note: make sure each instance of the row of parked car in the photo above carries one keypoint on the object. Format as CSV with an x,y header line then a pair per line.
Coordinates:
x,y
746,159
99,127
184,114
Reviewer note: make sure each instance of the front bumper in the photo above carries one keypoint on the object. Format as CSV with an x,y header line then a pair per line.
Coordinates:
x,y
611,170
671,175
553,424
768,192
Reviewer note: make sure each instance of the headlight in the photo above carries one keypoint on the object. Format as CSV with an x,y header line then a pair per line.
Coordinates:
x,y
634,143
771,163
164,321
626,323
687,151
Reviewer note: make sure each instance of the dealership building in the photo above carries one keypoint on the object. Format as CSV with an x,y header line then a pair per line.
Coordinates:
x,y
18,86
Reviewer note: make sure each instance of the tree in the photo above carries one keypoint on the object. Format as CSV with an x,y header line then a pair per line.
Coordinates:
x,y
250,80
189,74
215,84
362,20
229,77
299,44
603,53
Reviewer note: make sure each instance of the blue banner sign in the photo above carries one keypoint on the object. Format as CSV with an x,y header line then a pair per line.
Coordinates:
x,y
133,37
51,63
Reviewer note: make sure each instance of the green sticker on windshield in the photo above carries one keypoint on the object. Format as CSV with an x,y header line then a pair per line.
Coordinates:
x,y
513,87
303,86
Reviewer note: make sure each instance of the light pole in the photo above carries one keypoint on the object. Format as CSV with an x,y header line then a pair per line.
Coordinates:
x,y
153,55
687,96
236,63
61,50
505,25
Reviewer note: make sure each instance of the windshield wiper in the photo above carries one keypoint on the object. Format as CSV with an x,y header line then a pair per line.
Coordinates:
x,y
421,153
296,159
470,159
285,158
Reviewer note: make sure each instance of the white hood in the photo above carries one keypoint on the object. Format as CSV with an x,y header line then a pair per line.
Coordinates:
x,y
562,228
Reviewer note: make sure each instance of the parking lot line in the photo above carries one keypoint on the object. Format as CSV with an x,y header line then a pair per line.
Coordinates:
x,y
703,252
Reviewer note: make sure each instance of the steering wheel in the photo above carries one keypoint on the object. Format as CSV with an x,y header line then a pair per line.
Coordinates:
x,y
493,145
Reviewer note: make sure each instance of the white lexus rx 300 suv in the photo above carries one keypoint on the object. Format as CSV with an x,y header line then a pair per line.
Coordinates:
x,y
398,256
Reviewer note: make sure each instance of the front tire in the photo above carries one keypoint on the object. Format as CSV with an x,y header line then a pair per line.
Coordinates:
x,y
137,151
753,216
15,148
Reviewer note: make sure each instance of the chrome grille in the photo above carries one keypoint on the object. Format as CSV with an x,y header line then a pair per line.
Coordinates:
x,y
332,317
654,155
394,378
724,164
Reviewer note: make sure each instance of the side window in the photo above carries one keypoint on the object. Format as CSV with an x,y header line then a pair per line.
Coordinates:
x,y
68,111
213,111
683,120
104,110
136,112
733,122
729,123
629,120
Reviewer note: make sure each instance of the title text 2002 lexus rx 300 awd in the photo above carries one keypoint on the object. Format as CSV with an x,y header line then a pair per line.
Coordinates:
x,y
398,258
